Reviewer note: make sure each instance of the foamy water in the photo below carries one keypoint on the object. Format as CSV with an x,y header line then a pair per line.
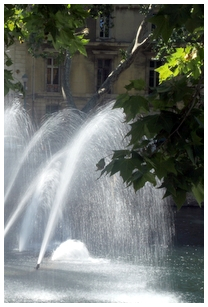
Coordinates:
x,y
71,250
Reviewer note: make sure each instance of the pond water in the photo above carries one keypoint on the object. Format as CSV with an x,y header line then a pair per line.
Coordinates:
x,y
98,280
75,276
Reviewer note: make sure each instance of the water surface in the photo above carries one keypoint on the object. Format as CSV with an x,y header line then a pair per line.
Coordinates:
x,y
100,280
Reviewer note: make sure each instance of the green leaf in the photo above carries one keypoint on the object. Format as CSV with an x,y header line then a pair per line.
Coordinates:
x,y
139,179
162,166
167,194
179,198
121,100
198,192
138,84
126,168
152,125
121,153
164,72
190,153
9,62
138,104
8,74
200,121
133,105
116,166
163,26
195,138
6,88
150,177
107,169
101,164
137,132
82,49
147,126
168,184
164,87
167,120
168,166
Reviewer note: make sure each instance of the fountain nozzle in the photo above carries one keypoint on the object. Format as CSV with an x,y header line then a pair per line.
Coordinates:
x,y
37,266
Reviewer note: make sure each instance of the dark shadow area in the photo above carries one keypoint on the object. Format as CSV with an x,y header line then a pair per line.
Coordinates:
x,y
189,226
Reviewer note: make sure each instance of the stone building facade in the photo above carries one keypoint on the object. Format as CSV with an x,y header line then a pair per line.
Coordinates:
x,y
44,84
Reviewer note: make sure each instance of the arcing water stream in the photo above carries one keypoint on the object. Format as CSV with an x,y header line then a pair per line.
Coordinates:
x,y
56,208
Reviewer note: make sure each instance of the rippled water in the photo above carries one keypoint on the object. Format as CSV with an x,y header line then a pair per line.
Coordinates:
x,y
96,280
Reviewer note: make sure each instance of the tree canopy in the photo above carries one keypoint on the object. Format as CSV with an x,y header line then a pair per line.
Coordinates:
x,y
167,126
62,26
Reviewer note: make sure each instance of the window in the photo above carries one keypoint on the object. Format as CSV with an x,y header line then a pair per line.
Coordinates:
x,y
153,75
104,26
52,84
104,69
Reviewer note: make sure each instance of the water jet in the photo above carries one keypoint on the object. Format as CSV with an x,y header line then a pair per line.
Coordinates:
x,y
57,209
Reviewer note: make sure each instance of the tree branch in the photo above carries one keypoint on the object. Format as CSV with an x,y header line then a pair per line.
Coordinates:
x,y
141,38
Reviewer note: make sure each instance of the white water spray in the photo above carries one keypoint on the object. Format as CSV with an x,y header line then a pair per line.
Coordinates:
x,y
71,250
81,140
109,218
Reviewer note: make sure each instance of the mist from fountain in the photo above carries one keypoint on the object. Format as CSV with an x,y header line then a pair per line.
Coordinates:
x,y
38,139
62,198
42,196
93,239
94,127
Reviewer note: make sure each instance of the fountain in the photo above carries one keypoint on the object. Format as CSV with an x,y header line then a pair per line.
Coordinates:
x,y
59,215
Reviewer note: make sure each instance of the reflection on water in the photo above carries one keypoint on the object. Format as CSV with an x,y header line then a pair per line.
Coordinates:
x,y
179,280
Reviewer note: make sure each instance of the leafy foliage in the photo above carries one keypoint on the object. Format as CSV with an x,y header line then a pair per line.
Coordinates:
x,y
56,24
166,127
10,84
60,26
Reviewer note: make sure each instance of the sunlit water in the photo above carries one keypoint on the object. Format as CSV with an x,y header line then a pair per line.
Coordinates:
x,y
82,278
56,194
123,251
